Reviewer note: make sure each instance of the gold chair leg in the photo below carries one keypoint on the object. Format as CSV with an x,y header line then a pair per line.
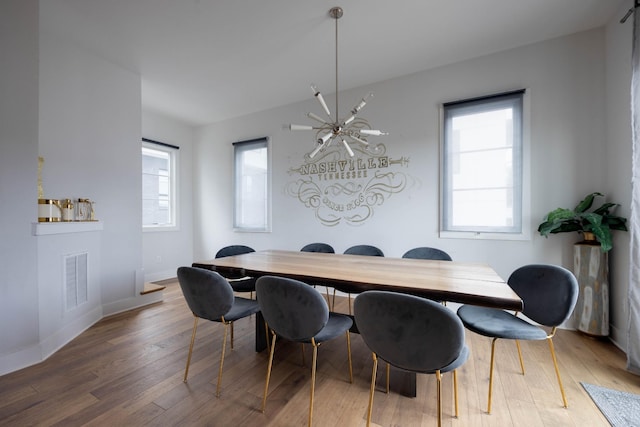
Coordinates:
x,y
455,391
231,323
349,356
266,383
313,378
193,338
388,376
439,394
520,356
373,387
349,301
266,335
333,303
224,344
328,299
555,365
493,352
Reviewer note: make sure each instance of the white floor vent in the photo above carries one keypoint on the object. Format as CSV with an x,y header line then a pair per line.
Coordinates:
x,y
75,279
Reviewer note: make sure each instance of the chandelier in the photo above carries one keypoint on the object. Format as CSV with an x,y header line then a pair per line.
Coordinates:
x,y
346,131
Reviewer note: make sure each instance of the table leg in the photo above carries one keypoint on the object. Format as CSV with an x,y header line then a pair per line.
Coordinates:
x,y
261,333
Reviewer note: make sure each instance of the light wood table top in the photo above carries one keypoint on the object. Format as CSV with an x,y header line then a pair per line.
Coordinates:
x,y
467,283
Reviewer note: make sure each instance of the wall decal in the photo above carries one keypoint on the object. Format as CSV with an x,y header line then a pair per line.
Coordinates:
x,y
347,190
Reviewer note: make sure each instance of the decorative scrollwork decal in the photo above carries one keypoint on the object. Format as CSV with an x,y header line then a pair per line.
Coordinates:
x,y
341,190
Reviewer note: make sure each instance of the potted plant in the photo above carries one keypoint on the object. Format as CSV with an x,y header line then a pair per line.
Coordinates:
x,y
590,263
597,223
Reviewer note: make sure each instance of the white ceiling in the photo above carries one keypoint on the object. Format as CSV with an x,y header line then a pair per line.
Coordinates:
x,y
203,61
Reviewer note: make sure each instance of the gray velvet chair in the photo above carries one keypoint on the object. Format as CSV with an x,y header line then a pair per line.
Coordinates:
x,y
413,334
549,294
425,252
209,296
324,248
297,312
365,250
239,283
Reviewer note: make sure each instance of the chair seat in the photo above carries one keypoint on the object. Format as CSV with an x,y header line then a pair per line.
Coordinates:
x,y
242,307
337,325
496,323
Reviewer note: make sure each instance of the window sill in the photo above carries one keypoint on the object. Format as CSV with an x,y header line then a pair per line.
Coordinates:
x,y
474,235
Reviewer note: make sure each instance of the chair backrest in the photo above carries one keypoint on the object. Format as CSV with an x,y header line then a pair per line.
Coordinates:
x,y
207,293
318,247
294,310
230,251
234,250
364,250
549,292
409,332
427,253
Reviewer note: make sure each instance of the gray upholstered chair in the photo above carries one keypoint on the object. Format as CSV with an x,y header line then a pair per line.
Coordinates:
x,y
366,250
324,248
209,296
413,334
239,283
425,252
549,294
297,312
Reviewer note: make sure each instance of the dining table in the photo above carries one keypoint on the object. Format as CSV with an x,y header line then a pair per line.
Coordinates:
x,y
449,281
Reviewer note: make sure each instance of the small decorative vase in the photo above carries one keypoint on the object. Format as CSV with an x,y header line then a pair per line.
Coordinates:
x,y
591,267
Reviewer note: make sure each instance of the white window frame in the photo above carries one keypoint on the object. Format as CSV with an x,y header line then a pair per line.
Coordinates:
x,y
238,149
174,160
522,178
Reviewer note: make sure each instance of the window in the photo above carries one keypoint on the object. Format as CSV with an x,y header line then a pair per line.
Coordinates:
x,y
159,164
482,165
252,200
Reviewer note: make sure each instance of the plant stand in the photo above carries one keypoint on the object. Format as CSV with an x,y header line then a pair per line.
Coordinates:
x,y
591,267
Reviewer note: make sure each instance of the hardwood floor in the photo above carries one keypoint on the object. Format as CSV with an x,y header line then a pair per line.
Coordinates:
x,y
127,371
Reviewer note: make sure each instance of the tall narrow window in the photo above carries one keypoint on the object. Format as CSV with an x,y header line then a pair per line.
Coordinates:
x,y
482,182
252,199
159,165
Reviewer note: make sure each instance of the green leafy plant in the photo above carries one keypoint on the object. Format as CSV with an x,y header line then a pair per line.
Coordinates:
x,y
599,221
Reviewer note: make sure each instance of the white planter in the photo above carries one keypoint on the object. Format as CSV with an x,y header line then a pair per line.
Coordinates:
x,y
591,268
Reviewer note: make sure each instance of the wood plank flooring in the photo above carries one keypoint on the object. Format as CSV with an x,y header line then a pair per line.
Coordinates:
x,y
127,371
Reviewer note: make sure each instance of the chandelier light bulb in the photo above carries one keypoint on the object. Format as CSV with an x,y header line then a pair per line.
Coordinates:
x,y
314,152
349,120
346,146
325,138
373,132
320,99
316,117
361,141
300,127
362,103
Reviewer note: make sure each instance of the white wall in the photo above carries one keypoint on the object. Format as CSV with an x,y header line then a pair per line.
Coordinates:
x,y
18,181
83,115
565,83
90,131
164,251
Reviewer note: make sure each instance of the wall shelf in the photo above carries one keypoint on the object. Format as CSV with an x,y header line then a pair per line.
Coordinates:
x,y
48,228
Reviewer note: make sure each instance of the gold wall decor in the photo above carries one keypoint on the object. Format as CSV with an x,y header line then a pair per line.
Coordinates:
x,y
341,189
40,190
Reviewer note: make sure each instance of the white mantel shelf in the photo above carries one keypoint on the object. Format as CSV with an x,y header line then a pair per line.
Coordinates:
x,y
47,228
